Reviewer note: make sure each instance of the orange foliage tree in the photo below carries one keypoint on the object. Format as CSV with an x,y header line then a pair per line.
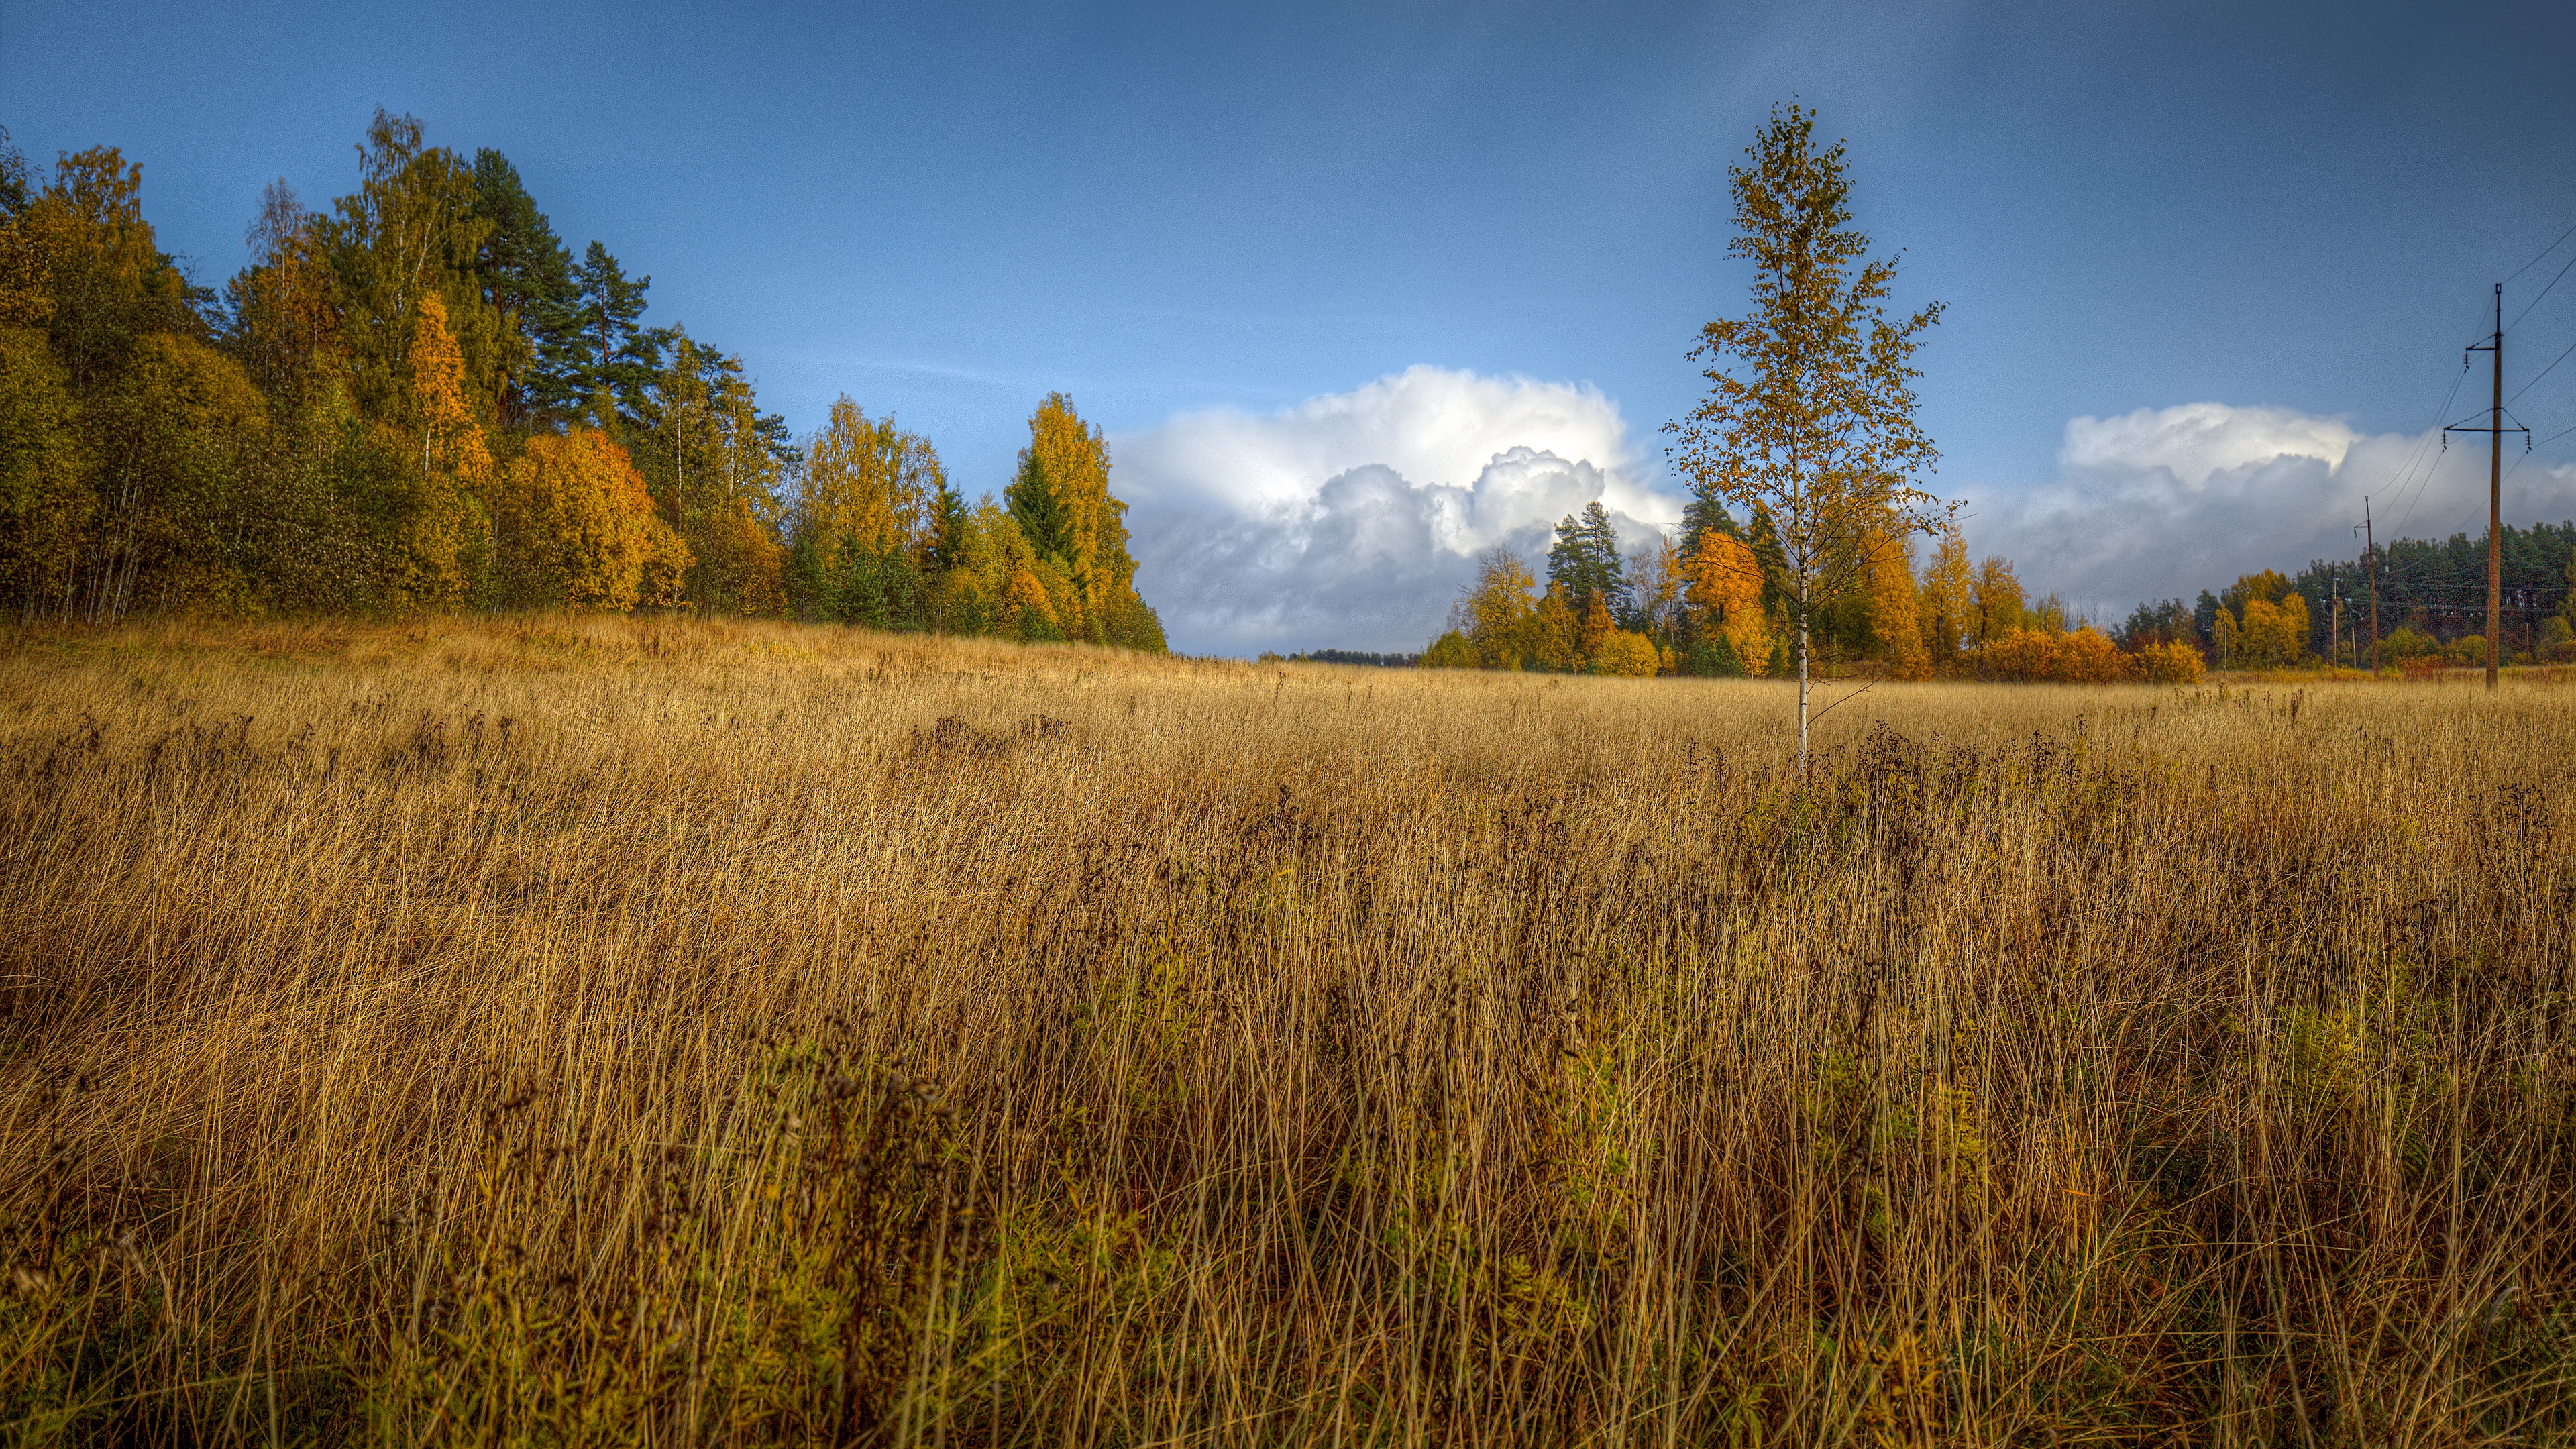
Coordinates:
x,y
1723,589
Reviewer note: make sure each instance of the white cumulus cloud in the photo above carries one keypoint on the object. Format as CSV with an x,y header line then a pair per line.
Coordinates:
x,y
1349,520
2164,502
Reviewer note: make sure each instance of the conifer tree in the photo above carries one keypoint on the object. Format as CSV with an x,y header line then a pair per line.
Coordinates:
x,y
1585,560
526,278
599,344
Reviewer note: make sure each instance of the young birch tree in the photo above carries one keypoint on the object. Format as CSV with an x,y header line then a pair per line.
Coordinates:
x,y
1810,412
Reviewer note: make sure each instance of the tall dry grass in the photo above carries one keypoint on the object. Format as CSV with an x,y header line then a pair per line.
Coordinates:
x,y
632,1032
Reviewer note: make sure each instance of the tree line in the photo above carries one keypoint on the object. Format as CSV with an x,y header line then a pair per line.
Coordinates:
x,y
418,398
2432,606
1712,598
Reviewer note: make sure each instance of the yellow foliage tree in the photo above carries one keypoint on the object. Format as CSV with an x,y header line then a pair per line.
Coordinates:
x,y
1895,620
450,437
1555,634
1060,498
2172,662
1597,624
1494,611
2084,656
1809,419
1996,602
868,486
2272,636
582,529
1625,652
1027,612
1946,603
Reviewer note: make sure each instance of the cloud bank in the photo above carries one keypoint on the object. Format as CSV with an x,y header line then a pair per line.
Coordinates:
x,y
2165,502
1350,520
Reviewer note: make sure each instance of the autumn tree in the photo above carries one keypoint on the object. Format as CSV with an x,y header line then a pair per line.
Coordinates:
x,y
1725,599
580,530
2261,623
1810,413
1996,605
1450,651
1060,497
1945,604
1895,616
125,438
1624,652
863,519
1597,625
1554,637
1494,611
451,438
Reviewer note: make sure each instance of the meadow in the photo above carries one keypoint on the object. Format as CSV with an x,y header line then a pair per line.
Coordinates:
x,y
533,1030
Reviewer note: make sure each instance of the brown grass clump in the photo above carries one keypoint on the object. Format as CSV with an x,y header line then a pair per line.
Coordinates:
x,y
610,1031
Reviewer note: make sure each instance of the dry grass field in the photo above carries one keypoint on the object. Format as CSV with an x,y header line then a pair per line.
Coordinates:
x,y
616,1031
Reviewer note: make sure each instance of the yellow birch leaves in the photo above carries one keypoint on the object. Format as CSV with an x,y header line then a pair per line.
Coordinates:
x,y
450,436
581,529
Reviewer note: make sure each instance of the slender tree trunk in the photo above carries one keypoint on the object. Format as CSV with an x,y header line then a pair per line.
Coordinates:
x,y
1802,675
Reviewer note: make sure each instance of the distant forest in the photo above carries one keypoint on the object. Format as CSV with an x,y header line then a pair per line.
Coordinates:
x,y
1706,599
2432,596
419,398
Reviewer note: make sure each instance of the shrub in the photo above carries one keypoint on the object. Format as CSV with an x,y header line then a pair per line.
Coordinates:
x,y
2081,656
2404,643
2172,662
1449,651
1627,653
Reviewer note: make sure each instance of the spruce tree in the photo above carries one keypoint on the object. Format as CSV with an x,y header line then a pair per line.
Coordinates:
x,y
526,276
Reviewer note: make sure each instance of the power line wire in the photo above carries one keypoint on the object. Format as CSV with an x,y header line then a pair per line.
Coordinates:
x,y
2421,446
2534,302
2537,376
2544,251
2440,411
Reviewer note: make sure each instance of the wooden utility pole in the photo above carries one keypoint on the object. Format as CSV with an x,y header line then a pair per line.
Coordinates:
x,y
2370,566
2495,497
2334,632
2495,431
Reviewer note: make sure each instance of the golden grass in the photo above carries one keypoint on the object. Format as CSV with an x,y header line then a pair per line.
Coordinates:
x,y
622,1031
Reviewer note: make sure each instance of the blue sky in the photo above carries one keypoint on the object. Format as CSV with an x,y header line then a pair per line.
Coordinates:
x,y
1211,223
